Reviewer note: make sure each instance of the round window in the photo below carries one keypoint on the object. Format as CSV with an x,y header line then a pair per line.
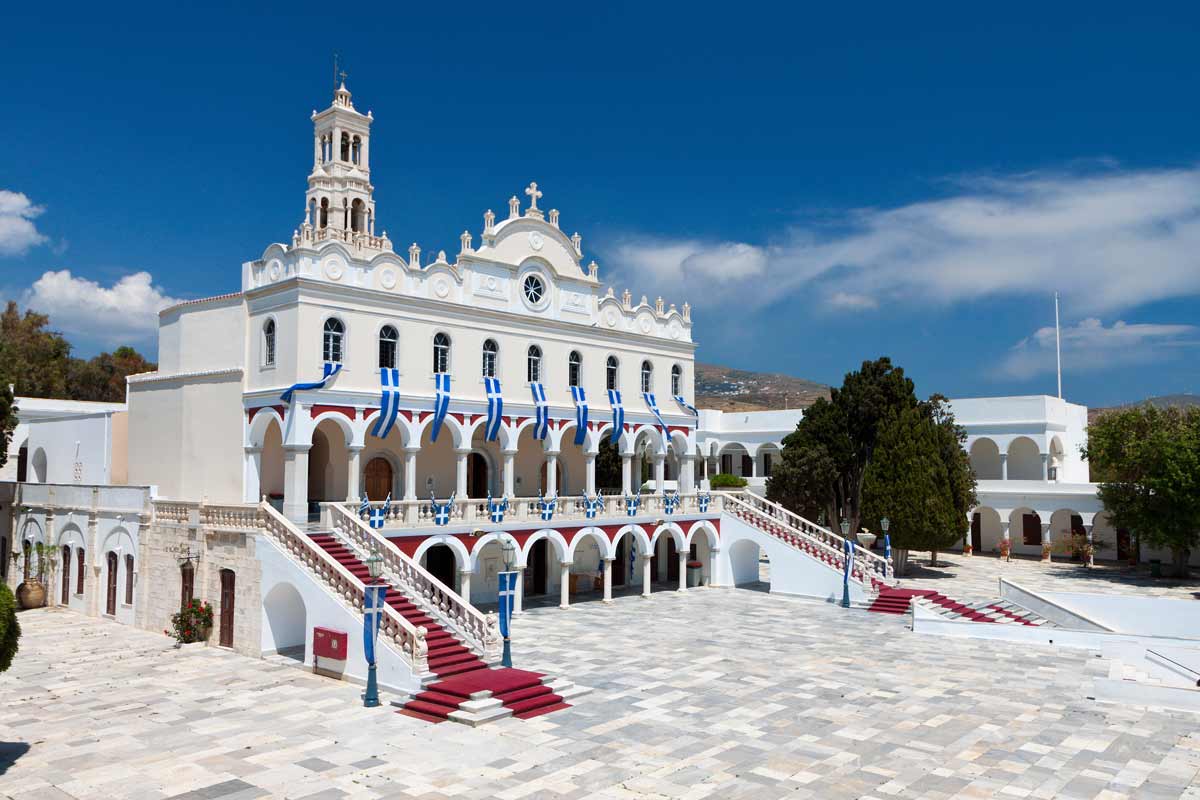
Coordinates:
x,y
534,289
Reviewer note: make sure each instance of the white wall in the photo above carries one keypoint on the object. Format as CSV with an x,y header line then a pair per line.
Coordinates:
x,y
1149,616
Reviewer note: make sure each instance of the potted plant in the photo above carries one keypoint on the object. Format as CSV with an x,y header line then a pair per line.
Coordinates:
x,y
1047,549
192,624
866,538
39,561
1006,549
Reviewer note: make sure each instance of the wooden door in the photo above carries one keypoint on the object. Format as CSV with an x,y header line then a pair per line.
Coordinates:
x,y
66,574
977,532
228,594
80,570
1031,532
672,561
378,479
111,602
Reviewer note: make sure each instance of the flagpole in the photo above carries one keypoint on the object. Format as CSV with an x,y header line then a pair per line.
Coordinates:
x,y
1058,345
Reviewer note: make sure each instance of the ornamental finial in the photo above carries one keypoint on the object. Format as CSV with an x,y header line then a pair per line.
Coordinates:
x,y
534,194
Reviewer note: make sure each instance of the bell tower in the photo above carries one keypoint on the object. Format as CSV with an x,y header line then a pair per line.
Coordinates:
x,y
339,204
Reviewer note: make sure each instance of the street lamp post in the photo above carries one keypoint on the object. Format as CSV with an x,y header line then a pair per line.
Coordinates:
x,y
508,591
884,524
374,609
848,547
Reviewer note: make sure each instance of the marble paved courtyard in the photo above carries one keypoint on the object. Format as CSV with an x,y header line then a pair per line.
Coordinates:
x,y
715,693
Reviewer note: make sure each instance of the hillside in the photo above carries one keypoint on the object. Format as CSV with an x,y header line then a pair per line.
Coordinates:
x,y
728,389
1164,401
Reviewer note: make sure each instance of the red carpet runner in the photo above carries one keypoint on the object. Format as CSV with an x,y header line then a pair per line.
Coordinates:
x,y
460,670
898,601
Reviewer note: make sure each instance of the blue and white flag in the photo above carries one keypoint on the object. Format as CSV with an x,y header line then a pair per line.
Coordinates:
x,y
496,511
662,426
441,402
491,431
441,513
632,503
670,502
887,547
679,399
364,508
581,413
389,402
541,425
592,506
849,548
614,399
507,598
328,370
633,549
379,515
546,507
373,600
702,501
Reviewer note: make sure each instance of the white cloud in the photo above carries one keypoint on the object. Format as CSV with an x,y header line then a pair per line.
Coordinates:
x,y
1090,346
17,231
1107,241
124,313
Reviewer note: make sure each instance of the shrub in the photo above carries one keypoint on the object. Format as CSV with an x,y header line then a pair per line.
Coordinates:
x,y
193,623
10,629
724,480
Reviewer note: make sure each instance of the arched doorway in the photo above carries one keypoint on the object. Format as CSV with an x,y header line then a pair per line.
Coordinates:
x,y
286,621
478,476
110,605
328,463
985,459
537,570
746,559
378,478
441,564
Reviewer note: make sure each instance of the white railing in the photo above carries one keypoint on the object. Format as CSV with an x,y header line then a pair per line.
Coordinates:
x,y
481,631
420,513
393,627
767,515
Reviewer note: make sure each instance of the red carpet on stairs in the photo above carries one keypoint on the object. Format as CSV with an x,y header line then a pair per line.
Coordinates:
x,y
898,601
462,673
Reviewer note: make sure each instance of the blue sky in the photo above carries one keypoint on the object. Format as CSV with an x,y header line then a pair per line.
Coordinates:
x,y
823,184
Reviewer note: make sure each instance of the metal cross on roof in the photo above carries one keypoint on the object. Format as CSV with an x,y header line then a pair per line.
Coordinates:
x,y
534,194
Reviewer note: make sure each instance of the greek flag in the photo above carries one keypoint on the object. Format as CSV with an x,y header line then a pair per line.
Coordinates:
x,y
848,546
328,370
592,506
581,413
632,503
507,598
633,549
441,402
373,600
614,400
364,508
379,515
491,431
702,501
662,426
887,547
670,502
542,426
441,513
679,399
389,403
546,507
496,510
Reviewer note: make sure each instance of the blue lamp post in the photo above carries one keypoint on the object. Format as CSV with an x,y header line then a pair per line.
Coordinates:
x,y
507,598
848,546
374,609
884,524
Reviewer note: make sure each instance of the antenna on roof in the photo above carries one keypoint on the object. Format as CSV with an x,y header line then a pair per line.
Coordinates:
x,y
1058,345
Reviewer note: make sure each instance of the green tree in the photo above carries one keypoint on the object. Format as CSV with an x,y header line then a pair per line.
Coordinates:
x,y
32,357
808,477
608,465
8,421
908,482
960,475
1150,459
102,378
10,628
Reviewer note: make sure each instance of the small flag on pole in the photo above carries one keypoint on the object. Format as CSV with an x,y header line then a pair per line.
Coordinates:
x,y
507,598
373,599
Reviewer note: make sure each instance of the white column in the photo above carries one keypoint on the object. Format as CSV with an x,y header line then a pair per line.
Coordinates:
x,y
590,466
519,593
507,469
683,557
364,157
355,470
646,574
1045,466
460,471
295,484
464,585
337,144
551,473
316,150
626,474
687,474
1091,560
410,472
1004,534
608,562
1004,466
564,589
660,471
253,471
1046,540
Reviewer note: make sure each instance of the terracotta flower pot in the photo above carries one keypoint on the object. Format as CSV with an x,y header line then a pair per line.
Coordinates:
x,y
31,594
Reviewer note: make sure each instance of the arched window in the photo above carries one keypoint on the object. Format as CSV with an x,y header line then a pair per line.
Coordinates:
x,y
334,332
345,147
269,343
324,220
358,216
441,353
534,370
611,367
490,352
676,380
128,579
647,376
388,339
574,368
356,152
79,571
